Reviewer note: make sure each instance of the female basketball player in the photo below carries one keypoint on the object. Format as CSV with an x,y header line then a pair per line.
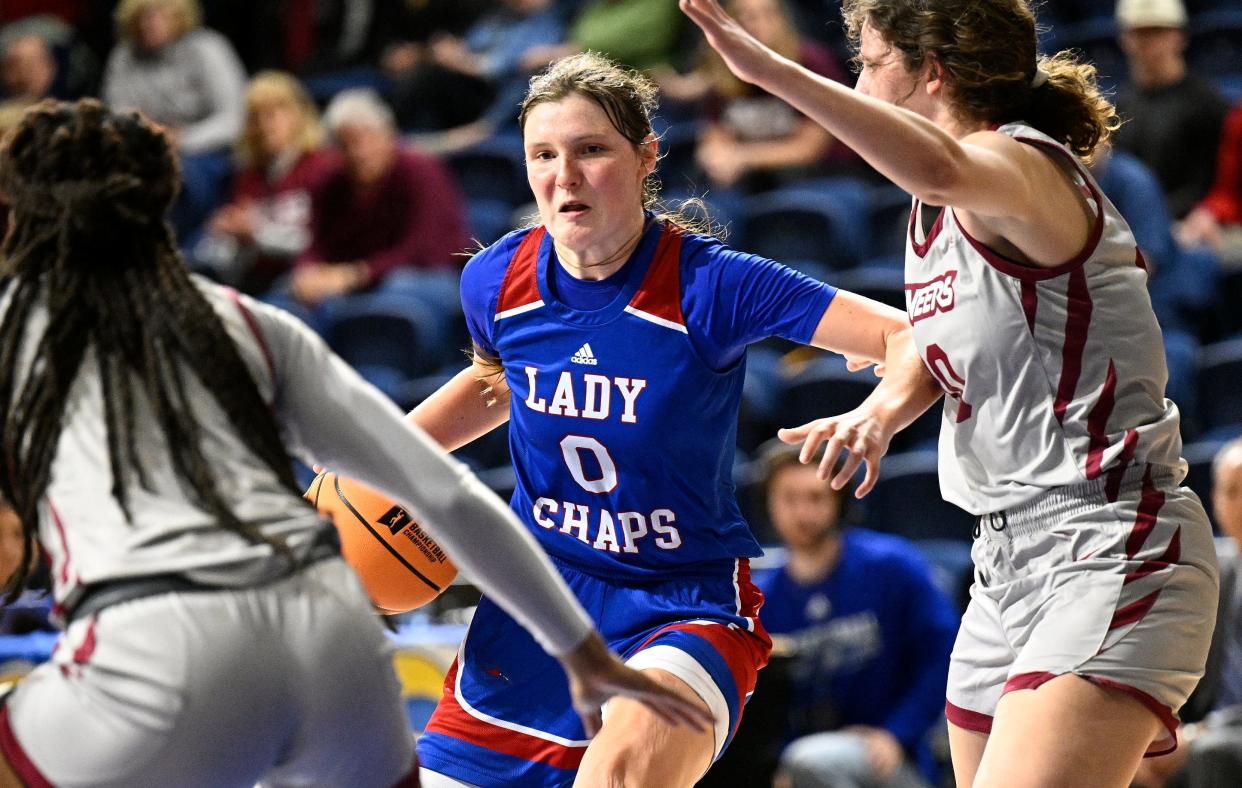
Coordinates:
x,y
1095,596
214,636
613,341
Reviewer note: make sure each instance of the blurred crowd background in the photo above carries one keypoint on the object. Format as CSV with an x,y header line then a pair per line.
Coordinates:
x,y
342,157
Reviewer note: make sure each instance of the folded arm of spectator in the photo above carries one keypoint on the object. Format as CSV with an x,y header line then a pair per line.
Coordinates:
x,y
225,81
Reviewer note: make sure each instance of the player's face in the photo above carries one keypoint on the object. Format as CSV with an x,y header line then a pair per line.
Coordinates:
x,y
1227,495
884,75
586,177
802,507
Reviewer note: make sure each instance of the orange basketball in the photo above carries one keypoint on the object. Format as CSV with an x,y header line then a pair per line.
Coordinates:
x,y
401,567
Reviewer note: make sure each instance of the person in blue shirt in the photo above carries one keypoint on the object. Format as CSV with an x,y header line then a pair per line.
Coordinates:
x,y
612,337
868,631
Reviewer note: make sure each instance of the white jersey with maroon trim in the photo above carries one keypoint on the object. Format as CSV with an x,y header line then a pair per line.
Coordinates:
x,y
1054,376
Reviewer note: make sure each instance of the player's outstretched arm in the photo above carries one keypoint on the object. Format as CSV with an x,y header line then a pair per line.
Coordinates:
x,y
864,329
473,403
985,174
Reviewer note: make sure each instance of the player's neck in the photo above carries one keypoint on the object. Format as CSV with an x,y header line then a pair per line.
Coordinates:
x,y
597,264
813,563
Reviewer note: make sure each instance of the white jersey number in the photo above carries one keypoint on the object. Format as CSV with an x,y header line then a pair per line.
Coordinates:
x,y
571,448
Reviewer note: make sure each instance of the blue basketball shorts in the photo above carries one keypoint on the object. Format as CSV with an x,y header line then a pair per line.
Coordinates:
x,y
506,719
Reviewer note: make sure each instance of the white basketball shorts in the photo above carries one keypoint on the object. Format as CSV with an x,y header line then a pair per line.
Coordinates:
x,y
290,683
1116,586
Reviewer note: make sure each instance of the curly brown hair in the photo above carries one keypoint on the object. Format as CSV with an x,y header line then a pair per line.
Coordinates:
x,y
988,51
88,243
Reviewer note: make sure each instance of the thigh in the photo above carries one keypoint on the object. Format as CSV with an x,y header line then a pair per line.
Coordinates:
x,y
352,728
635,747
1068,733
966,750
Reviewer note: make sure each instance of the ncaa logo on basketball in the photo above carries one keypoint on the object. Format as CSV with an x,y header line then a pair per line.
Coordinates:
x,y
927,299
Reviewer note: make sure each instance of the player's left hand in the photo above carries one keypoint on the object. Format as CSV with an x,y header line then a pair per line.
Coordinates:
x,y
857,364
860,432
596,674
745,56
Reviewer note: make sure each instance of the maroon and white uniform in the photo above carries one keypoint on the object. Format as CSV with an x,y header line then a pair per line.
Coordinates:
x,y
271,675
1090,558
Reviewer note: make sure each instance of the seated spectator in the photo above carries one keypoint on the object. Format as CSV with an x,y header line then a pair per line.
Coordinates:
x,y
1210,755
1216,222
255,237
47,58
641,34
190,80
451,81
27,68
870,633
31,610
752,140
380,209
1172,117
183,76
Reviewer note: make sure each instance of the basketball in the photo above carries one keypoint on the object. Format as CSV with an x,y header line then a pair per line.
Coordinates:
x,y
401,567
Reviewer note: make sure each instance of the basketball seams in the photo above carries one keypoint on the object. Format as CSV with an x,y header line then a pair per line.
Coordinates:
x,y
336,483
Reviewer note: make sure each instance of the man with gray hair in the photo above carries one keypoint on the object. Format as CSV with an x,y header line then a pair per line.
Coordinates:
x,y
381,207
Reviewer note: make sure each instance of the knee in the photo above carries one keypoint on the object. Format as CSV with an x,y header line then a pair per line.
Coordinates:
x,y
822,760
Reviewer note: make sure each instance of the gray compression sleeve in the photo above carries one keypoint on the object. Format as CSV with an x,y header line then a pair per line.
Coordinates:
x,y
335,418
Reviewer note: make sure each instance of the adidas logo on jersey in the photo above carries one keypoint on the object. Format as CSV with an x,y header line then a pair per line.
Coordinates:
x,y
584,356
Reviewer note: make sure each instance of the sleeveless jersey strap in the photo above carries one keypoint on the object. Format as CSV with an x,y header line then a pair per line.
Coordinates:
x,y
519,292
658,299
253,325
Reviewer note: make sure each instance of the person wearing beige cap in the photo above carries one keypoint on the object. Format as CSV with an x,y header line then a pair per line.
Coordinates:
x,y
1173,118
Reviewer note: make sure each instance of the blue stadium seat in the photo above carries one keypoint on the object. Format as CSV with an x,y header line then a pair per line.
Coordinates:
x,y
1095,39
824,387
888,222
390,338
1199,456
1214,41
906,501
883,284
823,221
494,169
489,219
1220,387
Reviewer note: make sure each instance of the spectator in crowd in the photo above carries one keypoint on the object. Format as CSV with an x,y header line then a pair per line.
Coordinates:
x,y
451,81
641,34
1173,117
1211,755
181,75
1216,222
188,79
27,68
753,140
255,237
29,611
869,631
381,208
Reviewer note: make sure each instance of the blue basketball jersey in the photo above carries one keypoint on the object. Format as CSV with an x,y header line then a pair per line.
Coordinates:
x,y
623,418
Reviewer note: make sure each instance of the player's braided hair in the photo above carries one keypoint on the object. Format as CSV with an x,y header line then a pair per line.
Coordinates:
x,y
89,190
988,51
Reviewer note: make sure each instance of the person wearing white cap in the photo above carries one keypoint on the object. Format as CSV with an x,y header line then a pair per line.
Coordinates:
x,y
1174,118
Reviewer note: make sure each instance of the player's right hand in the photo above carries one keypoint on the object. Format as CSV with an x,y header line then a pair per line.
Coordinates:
x,y
861,433
596,674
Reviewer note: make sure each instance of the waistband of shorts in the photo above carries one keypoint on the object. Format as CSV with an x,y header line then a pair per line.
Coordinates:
x,y
1059,503
97,596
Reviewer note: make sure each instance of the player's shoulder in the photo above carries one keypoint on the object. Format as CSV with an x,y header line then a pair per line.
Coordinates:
x,y
494,258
